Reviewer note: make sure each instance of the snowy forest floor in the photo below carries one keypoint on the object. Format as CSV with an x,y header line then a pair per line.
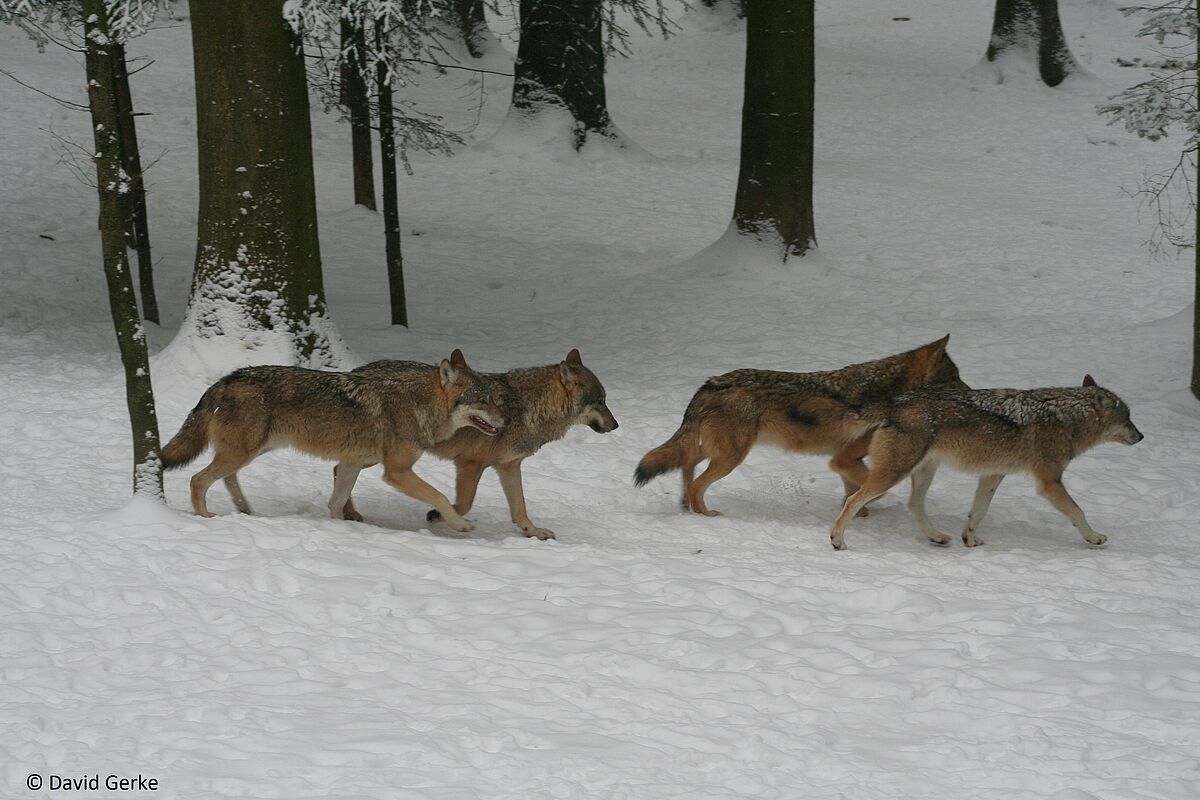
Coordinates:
x,y
645,654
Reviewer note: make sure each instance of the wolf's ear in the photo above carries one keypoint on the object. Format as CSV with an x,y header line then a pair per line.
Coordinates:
x,y
1088,380
457,359
448,372
938,347
573,356
564,373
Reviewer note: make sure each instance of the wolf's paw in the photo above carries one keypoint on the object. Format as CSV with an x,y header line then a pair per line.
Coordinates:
x,y
838,544
433,516
205,514
971,540
539,533
940,539
352,516
466,526
1096,539
708,512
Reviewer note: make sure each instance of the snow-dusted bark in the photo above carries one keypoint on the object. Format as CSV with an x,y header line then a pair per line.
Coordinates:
x,y
111,184
774,202
257,283
1028,34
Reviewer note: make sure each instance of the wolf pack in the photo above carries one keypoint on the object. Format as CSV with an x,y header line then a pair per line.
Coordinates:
x,y
878,421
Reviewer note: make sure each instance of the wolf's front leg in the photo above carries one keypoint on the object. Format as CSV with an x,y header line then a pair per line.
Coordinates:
x,y
984,493
1050,487
922,476
514,492
399,475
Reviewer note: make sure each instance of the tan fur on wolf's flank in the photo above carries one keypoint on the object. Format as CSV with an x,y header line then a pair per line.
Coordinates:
x,y
803,412
541,404
992,433
333,415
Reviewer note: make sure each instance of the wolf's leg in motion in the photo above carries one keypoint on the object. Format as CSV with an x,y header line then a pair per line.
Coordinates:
x,y
514,492
893,455
848,463
235,491
466,483
725,452
341,505
984,493
922,476
1050,487
687,471
226,461
397,472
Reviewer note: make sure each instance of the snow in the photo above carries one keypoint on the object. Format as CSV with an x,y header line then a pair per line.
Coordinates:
x,y
645,654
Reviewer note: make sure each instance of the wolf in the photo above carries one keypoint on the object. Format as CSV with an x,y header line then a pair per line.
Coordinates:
x,y
804,412
340,416
542,404
990,432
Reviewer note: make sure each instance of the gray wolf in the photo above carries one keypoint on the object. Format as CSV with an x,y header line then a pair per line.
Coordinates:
x,y
803,412
343,417
541,403
992,433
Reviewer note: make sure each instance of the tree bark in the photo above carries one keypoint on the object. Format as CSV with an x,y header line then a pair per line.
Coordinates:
x,y
355,98
472,24
391,205
137,226
131,338
560,62
1032,28
1196,247
258,256
774,202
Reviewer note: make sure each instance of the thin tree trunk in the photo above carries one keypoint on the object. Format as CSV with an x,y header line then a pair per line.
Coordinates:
x,y
1196,242
1033,28
137,225
258,255
471,22
131,338
560,62
355,98
391,205
774,202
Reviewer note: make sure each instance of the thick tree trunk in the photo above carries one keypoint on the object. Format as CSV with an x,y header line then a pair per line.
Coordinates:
x,y
391,205
469,18
258,257
355,98
560,63
131,338
1031,29
774,202
137,225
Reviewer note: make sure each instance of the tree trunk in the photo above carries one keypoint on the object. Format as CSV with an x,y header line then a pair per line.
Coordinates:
x,y
1196,244
258,257
137,226
1032,29
355,99
131,338
775,189
471,23
560,62
391,205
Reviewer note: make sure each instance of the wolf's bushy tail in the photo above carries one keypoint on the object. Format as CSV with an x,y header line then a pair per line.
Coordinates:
x,y
187,445
670,455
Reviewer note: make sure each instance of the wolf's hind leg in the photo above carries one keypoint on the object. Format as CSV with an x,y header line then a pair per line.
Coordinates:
x,y
922,476
724,456
984,492
225,462
235,491
848,463
1050,487
341,504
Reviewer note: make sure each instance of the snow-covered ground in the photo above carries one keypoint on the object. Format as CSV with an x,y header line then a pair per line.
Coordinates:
x,y
645,654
